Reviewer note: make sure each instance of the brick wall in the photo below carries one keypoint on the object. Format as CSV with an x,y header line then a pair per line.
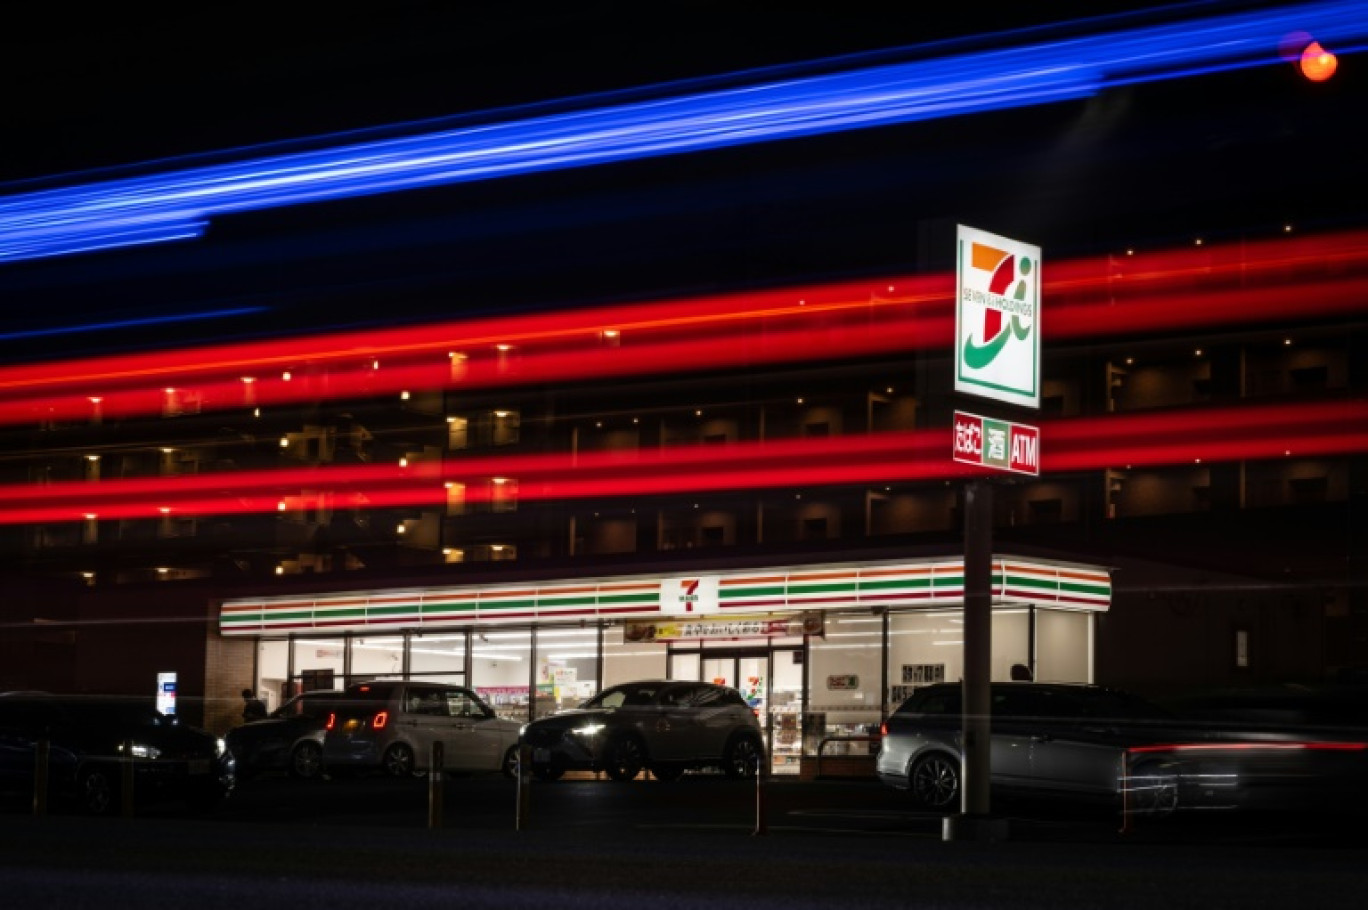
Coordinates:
x,y
229,667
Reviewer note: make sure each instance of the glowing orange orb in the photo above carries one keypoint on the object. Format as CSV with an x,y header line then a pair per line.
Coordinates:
x,y
1317,64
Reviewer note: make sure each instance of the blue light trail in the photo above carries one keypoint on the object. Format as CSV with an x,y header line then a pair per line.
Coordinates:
x,y
179,204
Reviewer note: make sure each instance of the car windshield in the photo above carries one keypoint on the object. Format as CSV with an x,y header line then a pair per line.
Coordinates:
x,y
624,696
1024,700
306,705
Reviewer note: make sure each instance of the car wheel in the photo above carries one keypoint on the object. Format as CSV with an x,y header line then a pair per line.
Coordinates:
x,y
510,763
935,782
98,790
548,772
306,761
667,773
625,758
1153,790
743,757
399,761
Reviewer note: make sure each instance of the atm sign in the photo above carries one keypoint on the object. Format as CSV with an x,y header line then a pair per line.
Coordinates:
x,y
997,444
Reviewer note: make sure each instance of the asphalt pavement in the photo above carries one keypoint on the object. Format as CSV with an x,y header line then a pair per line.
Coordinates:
x,y
696,843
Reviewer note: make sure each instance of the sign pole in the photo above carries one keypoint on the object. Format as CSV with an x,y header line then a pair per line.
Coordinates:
x,y
973,822
997,356
978,644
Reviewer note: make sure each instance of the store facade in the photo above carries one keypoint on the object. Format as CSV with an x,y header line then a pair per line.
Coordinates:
x,y
822,652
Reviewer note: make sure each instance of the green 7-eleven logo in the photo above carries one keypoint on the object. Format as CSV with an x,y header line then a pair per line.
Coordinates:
x,y
997,318
1007,272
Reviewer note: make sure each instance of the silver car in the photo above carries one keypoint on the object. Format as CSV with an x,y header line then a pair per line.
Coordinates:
x,y
391,726
666,727
1096,743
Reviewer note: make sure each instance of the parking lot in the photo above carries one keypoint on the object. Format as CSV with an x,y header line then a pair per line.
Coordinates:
x,y
702,803
694,842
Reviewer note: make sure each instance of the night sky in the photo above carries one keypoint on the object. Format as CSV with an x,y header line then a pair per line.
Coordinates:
x,y
118,85
1223,155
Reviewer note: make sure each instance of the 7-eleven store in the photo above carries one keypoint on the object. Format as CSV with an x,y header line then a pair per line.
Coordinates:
x,y
821,651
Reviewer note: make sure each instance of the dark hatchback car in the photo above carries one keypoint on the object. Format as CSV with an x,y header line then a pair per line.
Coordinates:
x,y
94,740
289,740
1095,743
666,727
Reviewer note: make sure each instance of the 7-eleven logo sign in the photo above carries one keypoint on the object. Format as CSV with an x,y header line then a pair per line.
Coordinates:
x,y
689,596
997,318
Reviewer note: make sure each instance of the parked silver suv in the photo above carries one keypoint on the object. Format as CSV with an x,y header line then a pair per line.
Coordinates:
x,y
1060,739
667,727
390,725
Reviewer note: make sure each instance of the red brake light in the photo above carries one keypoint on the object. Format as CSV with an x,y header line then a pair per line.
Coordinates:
x,y
332,719
379,720
883,728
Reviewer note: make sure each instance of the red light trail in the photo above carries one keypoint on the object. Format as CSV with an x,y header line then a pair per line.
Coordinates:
x,y
1122,297
1113,441
1105,297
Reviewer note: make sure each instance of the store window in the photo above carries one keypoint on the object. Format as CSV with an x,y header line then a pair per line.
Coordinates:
x,y
625,661
376,656
568,663
273,674
438,656
845,677
285,668
501,671
927,646
785,706
1064,646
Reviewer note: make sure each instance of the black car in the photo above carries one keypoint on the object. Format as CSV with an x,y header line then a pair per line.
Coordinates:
x,y
95,741
666,727
290,739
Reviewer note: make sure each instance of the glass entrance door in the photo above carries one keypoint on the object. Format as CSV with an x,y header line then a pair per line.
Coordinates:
x,y
771,681
748,673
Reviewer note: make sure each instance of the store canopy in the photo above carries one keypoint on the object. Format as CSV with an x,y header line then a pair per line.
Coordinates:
x,y
844,586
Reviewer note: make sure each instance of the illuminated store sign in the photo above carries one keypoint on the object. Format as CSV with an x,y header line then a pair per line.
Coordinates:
x,y
779,593
729,628
689,596
997,318
998,444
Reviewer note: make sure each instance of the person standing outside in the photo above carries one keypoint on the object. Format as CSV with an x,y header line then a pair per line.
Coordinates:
x,y
253,708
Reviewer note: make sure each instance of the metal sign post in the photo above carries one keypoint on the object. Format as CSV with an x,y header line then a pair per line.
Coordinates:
x,y
978,648
997,356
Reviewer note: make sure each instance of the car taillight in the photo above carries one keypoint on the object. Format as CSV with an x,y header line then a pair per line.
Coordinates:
x,y
883,728
378,721
332,720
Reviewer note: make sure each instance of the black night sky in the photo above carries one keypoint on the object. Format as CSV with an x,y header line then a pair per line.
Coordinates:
x,y
115,88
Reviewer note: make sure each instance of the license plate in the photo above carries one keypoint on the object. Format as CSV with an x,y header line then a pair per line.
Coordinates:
x,y
541,756
199,766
